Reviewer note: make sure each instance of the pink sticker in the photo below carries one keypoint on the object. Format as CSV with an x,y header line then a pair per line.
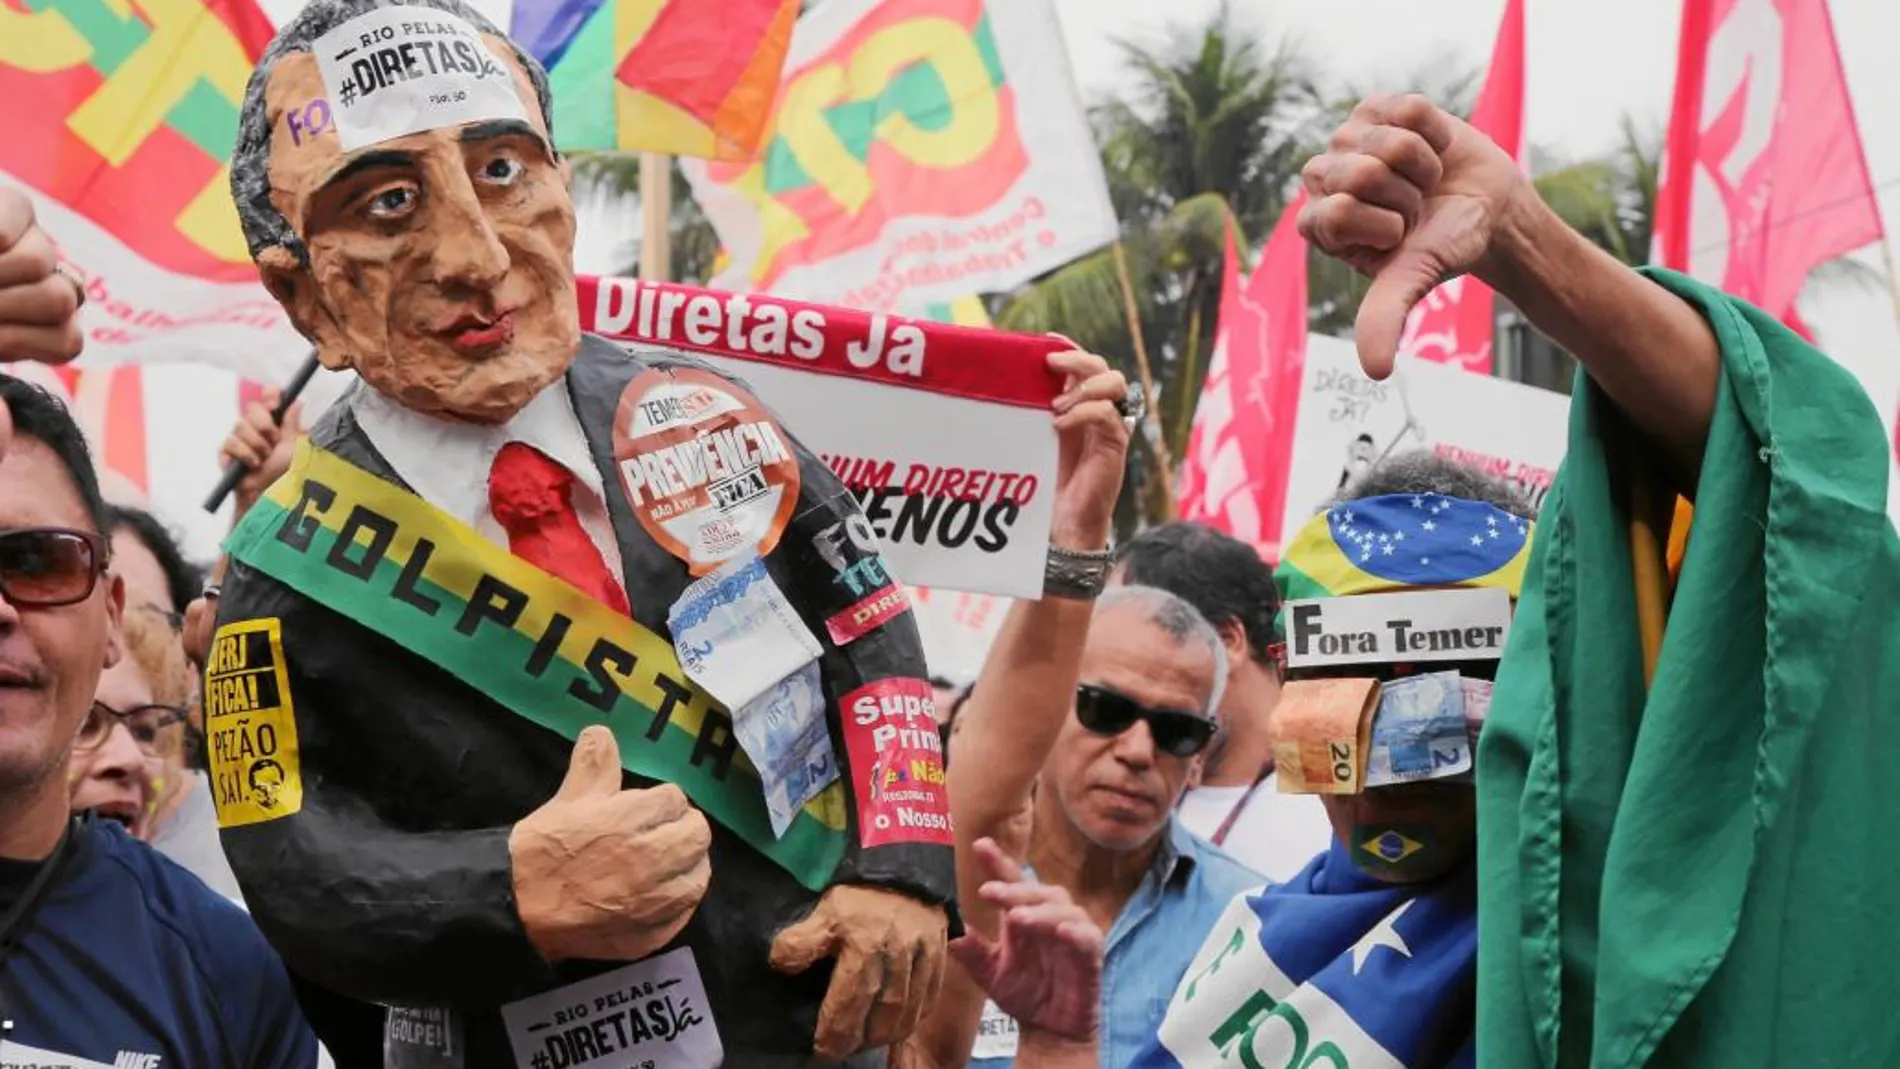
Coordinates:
x,y
890,734
880,607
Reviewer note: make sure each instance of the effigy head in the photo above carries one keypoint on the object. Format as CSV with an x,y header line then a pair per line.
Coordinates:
x,y
397,181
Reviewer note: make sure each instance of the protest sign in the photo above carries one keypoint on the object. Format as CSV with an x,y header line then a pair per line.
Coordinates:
x,y
1347,422
943,433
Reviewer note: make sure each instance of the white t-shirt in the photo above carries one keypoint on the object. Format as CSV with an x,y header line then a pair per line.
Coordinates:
x,y
1275,835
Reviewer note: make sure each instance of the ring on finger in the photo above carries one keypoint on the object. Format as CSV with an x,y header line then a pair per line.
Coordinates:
x,y
1132,405
71,274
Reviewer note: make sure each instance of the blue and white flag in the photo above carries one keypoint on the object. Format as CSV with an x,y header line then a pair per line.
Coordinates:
x,y
1332,969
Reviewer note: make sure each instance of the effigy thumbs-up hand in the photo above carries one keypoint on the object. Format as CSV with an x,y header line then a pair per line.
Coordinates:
x,y
1409,196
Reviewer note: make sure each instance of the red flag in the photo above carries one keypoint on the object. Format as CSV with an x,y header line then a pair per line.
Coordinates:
x,y
1234,475
1749,203
1454,323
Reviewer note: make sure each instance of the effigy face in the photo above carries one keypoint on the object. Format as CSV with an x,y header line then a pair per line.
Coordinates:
x,y
409,154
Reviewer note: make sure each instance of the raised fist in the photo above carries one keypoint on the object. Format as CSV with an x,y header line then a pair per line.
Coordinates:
x,y
39,303
604,873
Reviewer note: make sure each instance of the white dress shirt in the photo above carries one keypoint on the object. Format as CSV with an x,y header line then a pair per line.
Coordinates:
x,y
447,463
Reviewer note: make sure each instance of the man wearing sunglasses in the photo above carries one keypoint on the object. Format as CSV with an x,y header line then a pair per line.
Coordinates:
x,y
109,954
1236,804
1151,680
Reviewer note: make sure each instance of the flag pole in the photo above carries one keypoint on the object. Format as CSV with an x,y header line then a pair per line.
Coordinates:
x,y
1160,440
656,210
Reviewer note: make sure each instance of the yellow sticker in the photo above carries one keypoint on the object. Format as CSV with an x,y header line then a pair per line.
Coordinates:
x,y
250,725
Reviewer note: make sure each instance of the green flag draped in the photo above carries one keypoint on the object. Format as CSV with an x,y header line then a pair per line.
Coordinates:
x,y
1706,876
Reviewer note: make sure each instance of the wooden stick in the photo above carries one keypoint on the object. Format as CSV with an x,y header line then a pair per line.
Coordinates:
x,y
1158,437
656,210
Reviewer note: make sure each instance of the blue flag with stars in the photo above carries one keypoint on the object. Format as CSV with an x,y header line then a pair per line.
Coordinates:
x,y
1332,969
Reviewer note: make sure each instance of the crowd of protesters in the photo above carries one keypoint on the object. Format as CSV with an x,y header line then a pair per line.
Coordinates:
x,y
1140,881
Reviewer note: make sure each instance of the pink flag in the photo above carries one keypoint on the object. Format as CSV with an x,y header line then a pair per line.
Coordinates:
x,y
1749,203
1234,475
1453,324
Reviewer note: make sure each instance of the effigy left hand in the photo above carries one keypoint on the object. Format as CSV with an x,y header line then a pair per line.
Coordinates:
x,y
890,960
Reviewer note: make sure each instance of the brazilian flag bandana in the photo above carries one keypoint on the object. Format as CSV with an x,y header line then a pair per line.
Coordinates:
x,y
1403,542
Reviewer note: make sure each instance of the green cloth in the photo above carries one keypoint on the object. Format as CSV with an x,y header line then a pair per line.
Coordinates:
x,y
1706,878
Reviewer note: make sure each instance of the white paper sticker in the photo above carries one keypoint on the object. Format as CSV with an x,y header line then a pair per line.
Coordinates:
x,y
400,70
652,1014
735,633
996,1034
1412,626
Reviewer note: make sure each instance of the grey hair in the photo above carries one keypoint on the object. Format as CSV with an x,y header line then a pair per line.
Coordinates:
x,y
1424,472
1181,621
264,226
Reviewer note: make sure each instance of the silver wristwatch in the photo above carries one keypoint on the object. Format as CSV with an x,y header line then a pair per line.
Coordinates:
x,y
1076,574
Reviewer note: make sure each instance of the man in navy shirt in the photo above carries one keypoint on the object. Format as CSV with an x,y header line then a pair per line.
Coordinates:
x,y
110,955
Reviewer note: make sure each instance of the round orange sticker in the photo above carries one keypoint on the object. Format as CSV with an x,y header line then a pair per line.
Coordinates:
x,y
706,470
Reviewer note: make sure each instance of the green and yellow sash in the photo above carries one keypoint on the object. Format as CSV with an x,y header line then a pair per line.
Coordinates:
x,y
403,568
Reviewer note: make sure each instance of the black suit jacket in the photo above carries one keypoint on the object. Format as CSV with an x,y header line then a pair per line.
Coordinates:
x,y
392,883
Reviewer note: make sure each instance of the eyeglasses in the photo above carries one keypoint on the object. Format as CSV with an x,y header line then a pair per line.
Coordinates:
x,y
44,567
1106,712
155,728
173,620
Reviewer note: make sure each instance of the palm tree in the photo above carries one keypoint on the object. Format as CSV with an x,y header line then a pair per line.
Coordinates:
x,y
614,177
1210,131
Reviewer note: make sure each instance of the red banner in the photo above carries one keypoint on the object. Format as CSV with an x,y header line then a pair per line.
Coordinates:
x,y
970,362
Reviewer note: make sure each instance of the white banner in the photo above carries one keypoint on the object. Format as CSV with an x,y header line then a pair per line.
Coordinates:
x,y
1347,422
923,150
943,433
138,312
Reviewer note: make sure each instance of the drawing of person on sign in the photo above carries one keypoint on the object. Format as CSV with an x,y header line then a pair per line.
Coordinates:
x,y
476,558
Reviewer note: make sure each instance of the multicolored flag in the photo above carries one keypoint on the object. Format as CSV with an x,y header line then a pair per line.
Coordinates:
x,y
1748,202
685,77
1455,322
919,151
123,116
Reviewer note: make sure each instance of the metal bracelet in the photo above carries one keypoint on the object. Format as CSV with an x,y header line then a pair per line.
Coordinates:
x,y
1077,574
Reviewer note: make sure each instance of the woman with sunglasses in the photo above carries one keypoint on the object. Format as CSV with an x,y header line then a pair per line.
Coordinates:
x,y
128,761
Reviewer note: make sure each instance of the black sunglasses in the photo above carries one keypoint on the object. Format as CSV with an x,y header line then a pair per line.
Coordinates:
x,y
1106,712
45,567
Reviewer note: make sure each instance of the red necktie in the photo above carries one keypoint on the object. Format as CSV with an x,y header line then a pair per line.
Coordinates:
x,y
531,496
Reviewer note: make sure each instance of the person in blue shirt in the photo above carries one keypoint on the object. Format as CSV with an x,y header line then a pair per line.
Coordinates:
x,y
110,955
1151,676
